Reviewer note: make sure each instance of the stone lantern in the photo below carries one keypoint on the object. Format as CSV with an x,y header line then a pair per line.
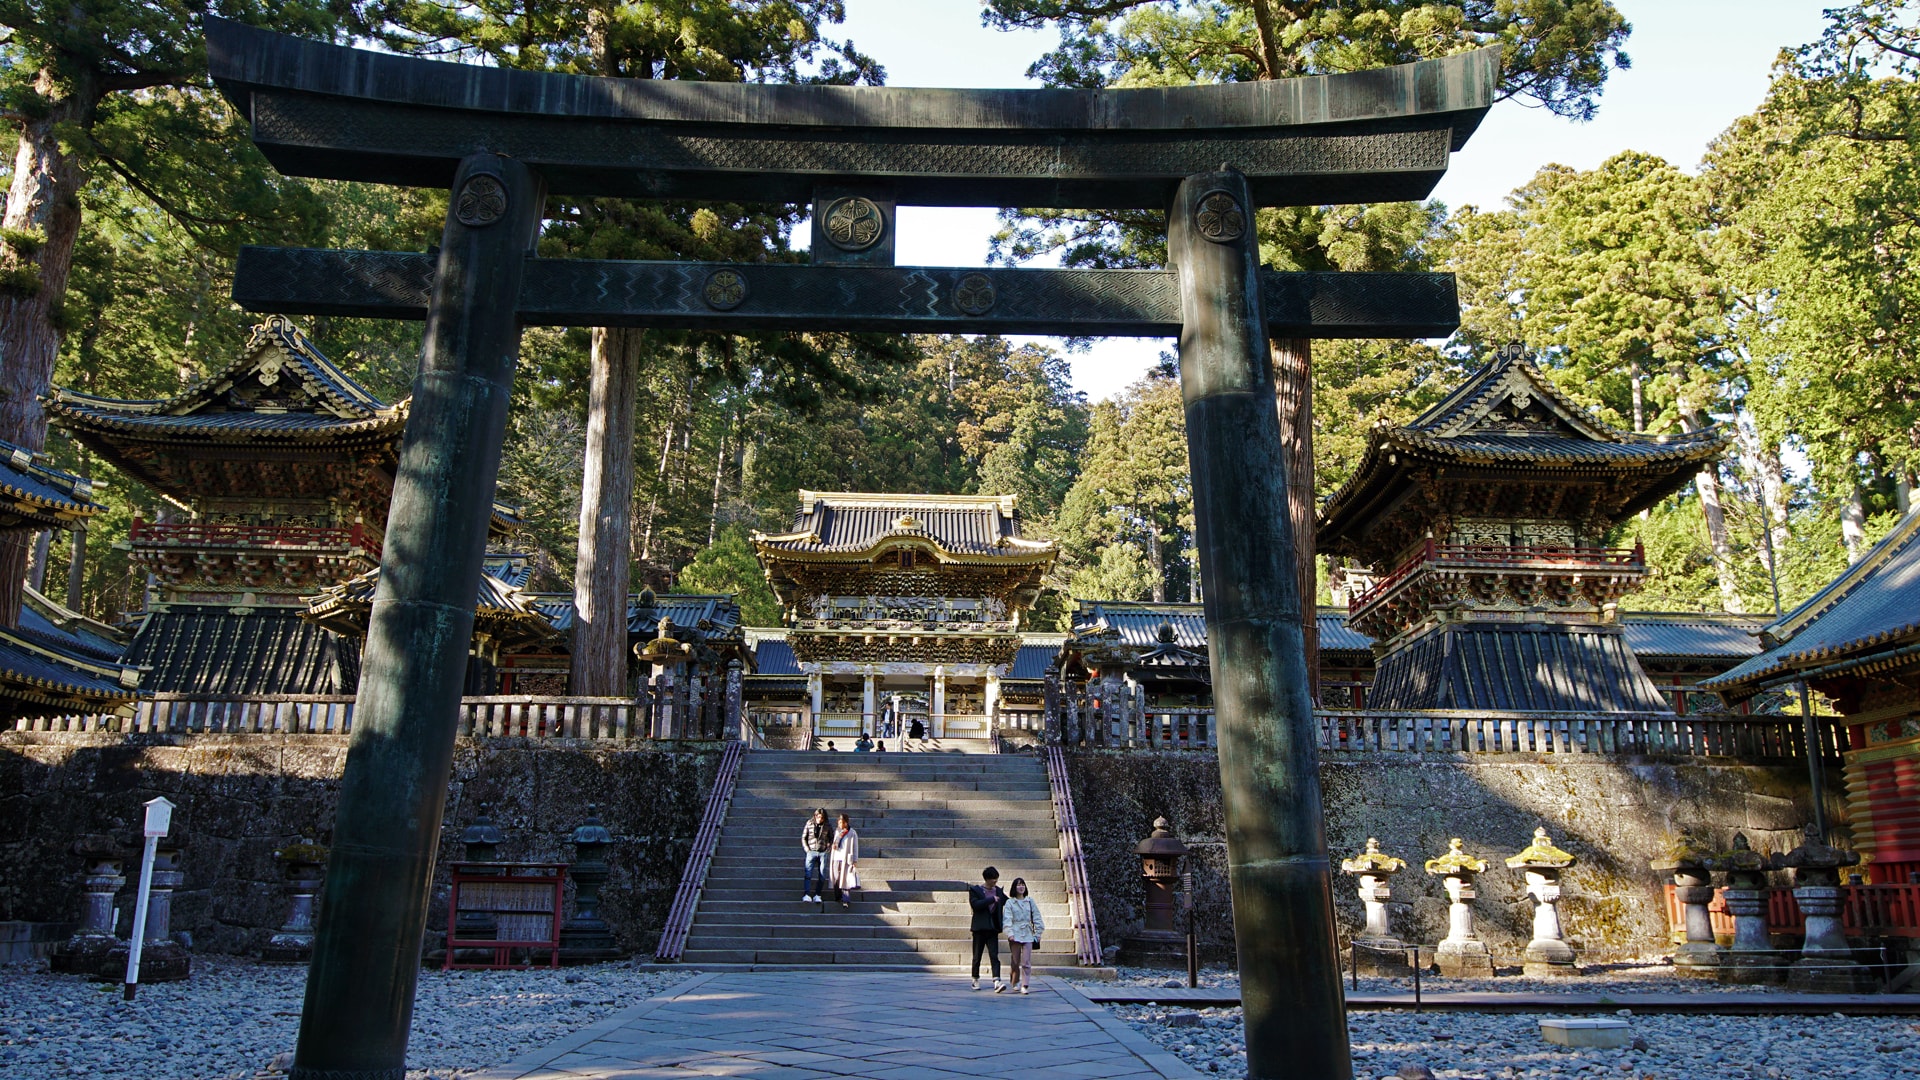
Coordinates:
x,y
1693,889
1159,944
585,939
482,840
1751,960
85,951
666,657
162,959
1826,963
1376,950
1461,953
1548,954
305,863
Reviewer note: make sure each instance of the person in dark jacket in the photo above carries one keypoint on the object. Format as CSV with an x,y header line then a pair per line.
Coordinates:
x,y
987,902
816,844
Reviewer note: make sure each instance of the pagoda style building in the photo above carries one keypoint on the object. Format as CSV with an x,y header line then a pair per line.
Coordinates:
x,y
1857,643
1484,525
278,471
903,609
54,661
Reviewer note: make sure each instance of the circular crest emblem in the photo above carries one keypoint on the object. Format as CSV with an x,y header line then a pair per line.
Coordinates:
x,y
1220,218
725,290
974,294
855,224
481,202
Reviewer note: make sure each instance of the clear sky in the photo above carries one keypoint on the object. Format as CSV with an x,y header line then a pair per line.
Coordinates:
x,y
1697,65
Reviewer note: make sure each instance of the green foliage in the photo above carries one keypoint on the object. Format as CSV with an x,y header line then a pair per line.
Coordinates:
x,y
728,565
1133,491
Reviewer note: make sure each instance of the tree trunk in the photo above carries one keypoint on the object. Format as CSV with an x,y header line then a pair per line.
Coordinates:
x,y
1154,560
1708,485
44,203
599,663
1853,525
37,560
1293,391
77,569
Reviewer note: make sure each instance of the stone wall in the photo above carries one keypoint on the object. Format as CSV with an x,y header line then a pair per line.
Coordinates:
x,y
242,797
1616,814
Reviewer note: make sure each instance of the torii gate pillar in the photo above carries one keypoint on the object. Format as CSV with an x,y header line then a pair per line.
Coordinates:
x,y
1296,1020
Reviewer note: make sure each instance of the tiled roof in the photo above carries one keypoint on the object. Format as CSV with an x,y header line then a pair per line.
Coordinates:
x,y
499,603
1137,623
277,354
1031,661
39,496
1875,604
39,679
1689,635
211,649
1510,414
1337,636
695,616
855,523
773,656
1508,666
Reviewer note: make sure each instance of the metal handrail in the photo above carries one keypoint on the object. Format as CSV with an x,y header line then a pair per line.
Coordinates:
x,y
686,899
1086,928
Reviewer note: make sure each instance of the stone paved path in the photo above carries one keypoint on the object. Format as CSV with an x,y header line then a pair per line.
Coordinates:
x,y
822,1025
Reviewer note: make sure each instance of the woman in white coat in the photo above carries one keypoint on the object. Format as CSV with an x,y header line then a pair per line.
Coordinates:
x,y
843,870
1021,917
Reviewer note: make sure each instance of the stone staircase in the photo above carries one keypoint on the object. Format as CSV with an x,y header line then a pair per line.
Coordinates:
x,y
928,824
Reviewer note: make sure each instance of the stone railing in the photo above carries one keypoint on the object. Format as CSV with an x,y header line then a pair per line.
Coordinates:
x,y
668,713
1366,731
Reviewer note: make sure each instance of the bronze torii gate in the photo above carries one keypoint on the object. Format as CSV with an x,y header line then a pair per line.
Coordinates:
x,y
499,141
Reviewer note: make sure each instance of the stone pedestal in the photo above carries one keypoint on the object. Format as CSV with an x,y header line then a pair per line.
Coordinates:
x,y
1461,954
87,949
293,942
586,938
1159,943
1750,960
1693,890
1376,950
1548,954
162,959
1826,964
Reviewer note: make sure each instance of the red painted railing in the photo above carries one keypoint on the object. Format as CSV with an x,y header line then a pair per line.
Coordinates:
x,y
1466,555
1871,910
686,899
1086,929
210,534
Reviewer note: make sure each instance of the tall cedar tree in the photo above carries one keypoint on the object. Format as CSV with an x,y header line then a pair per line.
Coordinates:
x,y
1554,53
713,40
119,87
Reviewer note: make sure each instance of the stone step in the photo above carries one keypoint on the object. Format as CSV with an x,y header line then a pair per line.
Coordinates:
x,y
820,957
1031,868
715,921
743,936
1063,970
985,851
792,906
785,794
900,893
1039,882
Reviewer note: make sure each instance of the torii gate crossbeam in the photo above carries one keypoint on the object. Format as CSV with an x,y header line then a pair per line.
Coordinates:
x,y
500,141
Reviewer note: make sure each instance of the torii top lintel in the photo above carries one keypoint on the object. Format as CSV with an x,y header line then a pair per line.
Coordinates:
x,y
342,113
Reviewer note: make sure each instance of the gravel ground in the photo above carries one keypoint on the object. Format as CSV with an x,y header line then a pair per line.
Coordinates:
x,y
234,1016
1397,1044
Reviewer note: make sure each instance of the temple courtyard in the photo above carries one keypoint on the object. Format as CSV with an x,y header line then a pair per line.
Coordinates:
x,y
237,1018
